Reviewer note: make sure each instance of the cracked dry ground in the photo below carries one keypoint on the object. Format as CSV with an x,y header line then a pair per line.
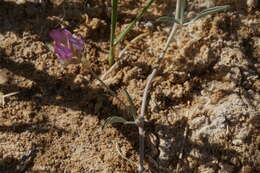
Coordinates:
x,y
203,113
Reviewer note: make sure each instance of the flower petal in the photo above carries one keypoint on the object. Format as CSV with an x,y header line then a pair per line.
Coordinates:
x,y
60,35
63,52
67,33
77,43
57,36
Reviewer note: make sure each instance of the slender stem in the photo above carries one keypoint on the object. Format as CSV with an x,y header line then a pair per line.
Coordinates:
x,y
111,59
10,94
151,76
116,64
132,24
144,100
2,96
141,144
148,86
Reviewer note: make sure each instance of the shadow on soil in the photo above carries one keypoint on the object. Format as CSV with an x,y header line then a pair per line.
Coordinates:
x,y
177,142
40,19
12,165
34,18
39,127
83,99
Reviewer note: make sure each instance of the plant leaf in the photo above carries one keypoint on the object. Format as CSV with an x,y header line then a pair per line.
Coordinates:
x,y
132,106
167,19
131,25
114,119
180,16
207,11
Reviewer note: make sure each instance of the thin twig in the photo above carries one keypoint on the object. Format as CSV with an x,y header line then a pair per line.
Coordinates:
x,y
2,97
147,88
144,100
182,148
120,59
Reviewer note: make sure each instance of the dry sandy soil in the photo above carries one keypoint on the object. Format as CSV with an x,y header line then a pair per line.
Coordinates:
x,y
203,113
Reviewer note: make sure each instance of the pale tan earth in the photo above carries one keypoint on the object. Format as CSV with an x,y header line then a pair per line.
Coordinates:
x,y
203,113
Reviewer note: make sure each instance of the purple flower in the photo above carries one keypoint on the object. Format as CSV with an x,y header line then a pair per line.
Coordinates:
x,y
66,45
63,52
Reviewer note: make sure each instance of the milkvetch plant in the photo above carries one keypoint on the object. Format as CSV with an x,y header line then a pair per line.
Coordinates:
x,y
69,48
179,21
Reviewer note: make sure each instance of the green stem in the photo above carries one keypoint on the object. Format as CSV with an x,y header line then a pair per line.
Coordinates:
x,y
131,25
